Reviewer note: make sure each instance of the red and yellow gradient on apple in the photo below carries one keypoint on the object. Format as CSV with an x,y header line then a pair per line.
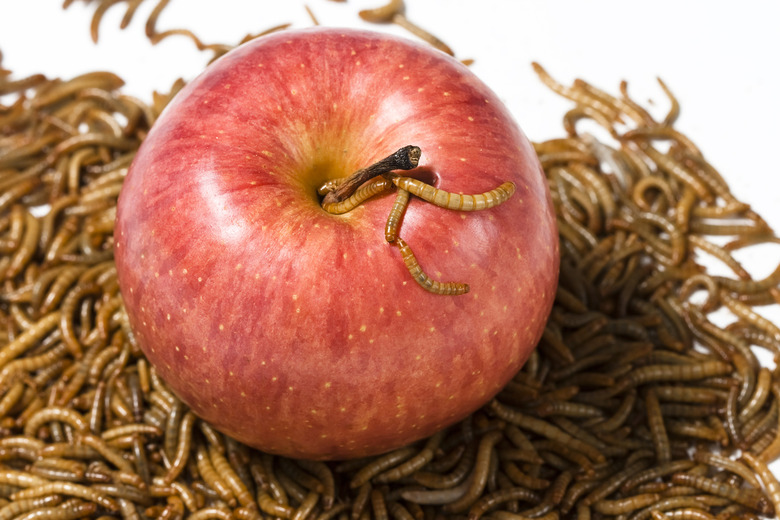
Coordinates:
x,y
300,332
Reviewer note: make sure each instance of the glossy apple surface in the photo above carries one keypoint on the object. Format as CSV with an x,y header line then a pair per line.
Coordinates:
x,y
300,332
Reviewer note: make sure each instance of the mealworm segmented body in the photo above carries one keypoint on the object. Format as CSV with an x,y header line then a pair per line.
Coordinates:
x,y
396,214
363,193
425,281
456,201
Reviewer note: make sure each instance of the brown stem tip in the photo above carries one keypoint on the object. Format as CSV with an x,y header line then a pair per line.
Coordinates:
x,y
405,158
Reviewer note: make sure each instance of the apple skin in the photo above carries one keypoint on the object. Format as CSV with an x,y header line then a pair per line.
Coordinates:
x,y
302,333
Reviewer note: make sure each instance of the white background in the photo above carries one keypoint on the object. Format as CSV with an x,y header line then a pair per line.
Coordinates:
x,y
722,61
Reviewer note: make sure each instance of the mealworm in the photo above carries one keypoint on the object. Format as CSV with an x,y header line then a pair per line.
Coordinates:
x,y
394,12
362,194
18,507
28,338
207,513
266,478
771,451
655,421
396,510
747,497
495,498
625,505
544,429
360,501
564,452
211,477
378,505
714,459
437,496
419,276
111,455
229,476
614,482
455,201
380,465
396,214
325,476
54,413
66,488
454,477
330,185
299,476
478,479
568,409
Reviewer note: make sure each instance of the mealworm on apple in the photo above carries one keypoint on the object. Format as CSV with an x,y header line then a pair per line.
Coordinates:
x,y
362,194
330,185
396,214
426,282
456,201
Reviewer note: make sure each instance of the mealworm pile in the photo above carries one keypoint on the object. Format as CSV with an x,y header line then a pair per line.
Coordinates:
x,y
636,403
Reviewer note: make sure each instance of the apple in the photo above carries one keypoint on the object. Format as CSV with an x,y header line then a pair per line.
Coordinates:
x,y
300,332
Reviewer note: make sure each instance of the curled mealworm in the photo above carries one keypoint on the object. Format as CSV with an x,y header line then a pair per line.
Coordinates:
x,y
54,413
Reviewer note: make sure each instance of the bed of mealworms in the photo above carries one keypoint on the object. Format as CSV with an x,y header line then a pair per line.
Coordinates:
x,y
635,405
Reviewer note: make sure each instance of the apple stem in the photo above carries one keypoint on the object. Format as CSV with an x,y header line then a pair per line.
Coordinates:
x,y
405,158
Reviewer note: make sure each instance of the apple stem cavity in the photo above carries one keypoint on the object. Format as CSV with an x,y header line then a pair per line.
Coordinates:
x,y
405,158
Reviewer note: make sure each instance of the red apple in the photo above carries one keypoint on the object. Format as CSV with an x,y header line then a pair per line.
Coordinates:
x,y
300,332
